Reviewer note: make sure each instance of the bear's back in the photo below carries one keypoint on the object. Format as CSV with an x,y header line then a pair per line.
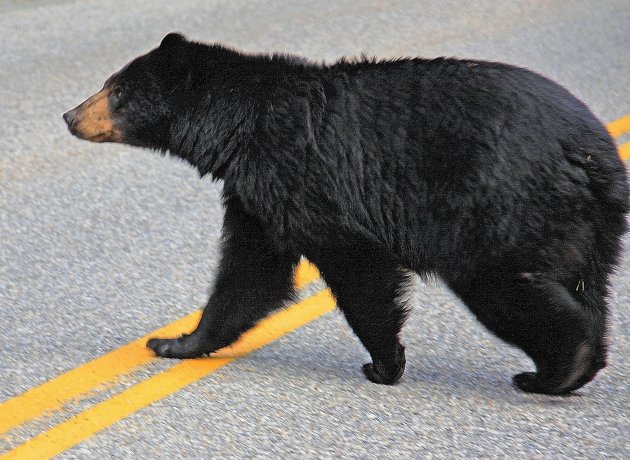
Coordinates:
x,y
432,157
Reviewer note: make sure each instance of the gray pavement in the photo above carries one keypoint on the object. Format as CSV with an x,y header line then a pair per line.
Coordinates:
x,y
100,244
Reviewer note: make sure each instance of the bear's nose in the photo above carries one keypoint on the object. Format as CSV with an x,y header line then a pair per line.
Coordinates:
x,y
69,117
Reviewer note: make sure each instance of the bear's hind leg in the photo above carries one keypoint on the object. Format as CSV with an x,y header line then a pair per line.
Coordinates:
x,y
581,340
367,284
564,338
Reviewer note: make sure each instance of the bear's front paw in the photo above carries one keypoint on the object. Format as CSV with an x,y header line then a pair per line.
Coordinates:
x,y
387,374
376,376
181,348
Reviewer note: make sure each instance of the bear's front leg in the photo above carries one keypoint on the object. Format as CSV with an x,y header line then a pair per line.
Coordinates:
x,y
368,285
253,279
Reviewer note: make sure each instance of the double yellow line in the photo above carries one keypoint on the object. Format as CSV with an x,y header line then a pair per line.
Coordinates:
x,y
57,396
61,392
617,129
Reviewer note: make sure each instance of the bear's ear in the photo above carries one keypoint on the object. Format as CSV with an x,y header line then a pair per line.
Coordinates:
x,y
172,39
175,59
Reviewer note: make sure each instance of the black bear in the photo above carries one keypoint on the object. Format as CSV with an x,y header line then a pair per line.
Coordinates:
x,y
490,176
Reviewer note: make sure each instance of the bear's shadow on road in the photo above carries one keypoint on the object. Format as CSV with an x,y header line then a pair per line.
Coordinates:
x,y
424,377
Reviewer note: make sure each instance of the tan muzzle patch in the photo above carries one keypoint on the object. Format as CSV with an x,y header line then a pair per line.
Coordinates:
x,y
92,121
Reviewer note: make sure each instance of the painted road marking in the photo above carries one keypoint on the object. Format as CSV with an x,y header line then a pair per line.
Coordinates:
x,y
624,151
110,411
618,127
53,395
104,371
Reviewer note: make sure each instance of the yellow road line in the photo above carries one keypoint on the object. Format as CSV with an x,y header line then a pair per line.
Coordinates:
x,y
624,151
110,411
618,127
305,273
103,371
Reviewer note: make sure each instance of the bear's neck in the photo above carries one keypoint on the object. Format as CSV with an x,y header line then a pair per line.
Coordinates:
x,y
241,100
210,142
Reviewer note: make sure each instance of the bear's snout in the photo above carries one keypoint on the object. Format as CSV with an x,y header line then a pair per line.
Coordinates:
x,y
69,117
92,121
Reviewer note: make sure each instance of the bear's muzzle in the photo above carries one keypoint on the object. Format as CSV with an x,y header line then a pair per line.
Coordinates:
x,y
91,120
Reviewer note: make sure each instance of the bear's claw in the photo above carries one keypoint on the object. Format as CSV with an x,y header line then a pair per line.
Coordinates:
x,y
161,347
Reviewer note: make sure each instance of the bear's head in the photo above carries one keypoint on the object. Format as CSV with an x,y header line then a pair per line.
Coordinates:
x,y
202,103
136,104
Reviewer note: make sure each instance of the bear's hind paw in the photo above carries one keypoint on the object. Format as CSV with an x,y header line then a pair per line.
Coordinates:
x,y
531,382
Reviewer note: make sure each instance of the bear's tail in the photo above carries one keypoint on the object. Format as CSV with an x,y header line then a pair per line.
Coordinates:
x,y
608,184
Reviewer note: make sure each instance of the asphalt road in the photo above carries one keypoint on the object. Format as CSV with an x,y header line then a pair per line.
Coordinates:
x,y
101,244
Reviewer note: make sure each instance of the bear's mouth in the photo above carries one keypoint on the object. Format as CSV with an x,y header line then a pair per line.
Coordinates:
x,y
91,120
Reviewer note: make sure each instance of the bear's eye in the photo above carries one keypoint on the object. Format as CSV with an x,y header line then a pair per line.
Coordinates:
x,y
117,94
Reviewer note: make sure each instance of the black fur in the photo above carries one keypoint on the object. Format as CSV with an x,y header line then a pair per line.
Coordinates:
x,y
490,176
